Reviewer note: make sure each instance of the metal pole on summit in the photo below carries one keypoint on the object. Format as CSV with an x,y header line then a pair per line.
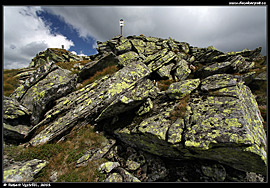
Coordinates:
x,y
121,26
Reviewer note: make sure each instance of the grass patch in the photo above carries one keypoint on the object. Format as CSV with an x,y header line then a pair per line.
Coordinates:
x,y
70,65
10,82
62,156
181,108
99,74
83,174
163,85
59,51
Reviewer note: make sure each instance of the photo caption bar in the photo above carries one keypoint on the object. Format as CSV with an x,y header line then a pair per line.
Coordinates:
x,y
248,3
26,185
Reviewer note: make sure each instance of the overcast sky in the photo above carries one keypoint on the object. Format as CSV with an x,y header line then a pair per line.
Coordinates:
x,y
29,30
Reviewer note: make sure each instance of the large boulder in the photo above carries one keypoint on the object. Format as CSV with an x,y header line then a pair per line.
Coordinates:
x,y
44,88
164,57
23,172
181,71
215,68
16,121
178,90
126,58
225,126
53,54
93,102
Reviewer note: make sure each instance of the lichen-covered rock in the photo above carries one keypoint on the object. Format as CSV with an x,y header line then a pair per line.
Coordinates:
x,y
24,74
16,121
181,70
15,134
97,153
239,64
215,68
40,73
108,167
96,100
124,46
225,126
164,59
127,177
24,172
165,71
155,56
219,81
178,90
14,110
92,67
249,54
54,54
46,84
150,134
56,84
209,125
129,100
228,122
175,131
146,107
205,55
139,45
114,177
127,58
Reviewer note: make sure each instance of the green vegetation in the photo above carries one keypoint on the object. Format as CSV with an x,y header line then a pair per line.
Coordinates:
x,y
59,51
99,74
62,156
69,65
164,84
10,82
181,108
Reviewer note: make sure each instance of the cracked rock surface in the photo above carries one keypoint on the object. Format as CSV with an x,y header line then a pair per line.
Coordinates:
x,y
167,102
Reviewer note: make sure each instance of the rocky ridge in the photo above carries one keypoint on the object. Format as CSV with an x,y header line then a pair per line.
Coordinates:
x,y
171,111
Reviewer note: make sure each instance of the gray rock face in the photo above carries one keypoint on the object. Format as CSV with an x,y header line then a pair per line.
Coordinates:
x,y
96,100
23,172
92,67
56,55
206,114
16,122
47,83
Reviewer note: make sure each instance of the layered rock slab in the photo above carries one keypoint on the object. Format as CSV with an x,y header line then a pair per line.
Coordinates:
x,y
48,83
23,172
223,124
94,101
16,120
226,129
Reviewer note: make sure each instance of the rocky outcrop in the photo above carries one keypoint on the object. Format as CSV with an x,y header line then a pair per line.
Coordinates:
x,y
208,113
23,172
16,121
56,55
48,83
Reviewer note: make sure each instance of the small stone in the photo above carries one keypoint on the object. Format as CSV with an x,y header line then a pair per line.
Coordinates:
x,y
114,177
108,167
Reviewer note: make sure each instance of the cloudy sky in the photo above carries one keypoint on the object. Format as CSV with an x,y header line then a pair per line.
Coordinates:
x,y
31,29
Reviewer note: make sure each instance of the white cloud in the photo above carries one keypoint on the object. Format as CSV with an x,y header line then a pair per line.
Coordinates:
x,y
81,53
226,28
73,52
25,34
